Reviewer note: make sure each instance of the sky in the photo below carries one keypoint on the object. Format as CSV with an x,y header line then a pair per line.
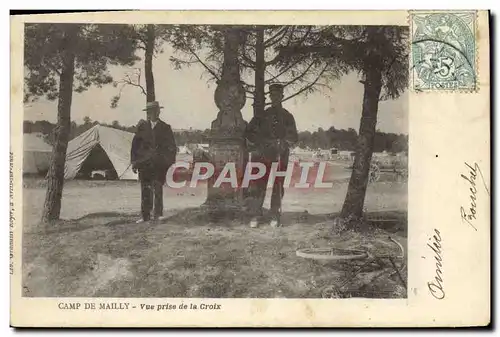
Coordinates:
x,y
188,102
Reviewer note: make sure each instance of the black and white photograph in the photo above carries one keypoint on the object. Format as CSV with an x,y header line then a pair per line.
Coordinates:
x,y
215,161
232,169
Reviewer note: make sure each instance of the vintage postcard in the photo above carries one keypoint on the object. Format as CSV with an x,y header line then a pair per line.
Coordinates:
x,y
250,169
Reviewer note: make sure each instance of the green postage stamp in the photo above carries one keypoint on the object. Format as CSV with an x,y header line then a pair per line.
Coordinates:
x,y
443,50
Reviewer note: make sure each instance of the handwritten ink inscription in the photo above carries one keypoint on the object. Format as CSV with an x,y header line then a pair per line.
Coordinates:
x,y
468,213
436,286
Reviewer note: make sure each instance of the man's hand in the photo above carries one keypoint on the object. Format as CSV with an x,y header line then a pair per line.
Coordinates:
x,y
141,123
284,144
134,169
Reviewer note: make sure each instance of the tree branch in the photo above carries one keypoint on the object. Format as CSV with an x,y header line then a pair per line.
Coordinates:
x,y
279,56
191,62
246,65
142,41
136,85
338,45
53,67
248,87
129,81
301,75
204,65
274,39
275,60
302,39
307,87
116,99
250,63
274,77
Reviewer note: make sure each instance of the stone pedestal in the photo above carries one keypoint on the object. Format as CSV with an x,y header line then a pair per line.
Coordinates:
x,y
226,198
227,144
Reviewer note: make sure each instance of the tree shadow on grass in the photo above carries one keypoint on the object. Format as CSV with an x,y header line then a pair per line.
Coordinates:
x,y
100,215
86,222
391,221
201,216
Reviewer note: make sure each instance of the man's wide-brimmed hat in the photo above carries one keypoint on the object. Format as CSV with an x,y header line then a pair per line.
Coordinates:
x,y
152,105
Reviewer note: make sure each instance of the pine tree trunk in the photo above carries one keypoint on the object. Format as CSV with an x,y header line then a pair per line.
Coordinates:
x,y
148,63
55,176
355,198
260,68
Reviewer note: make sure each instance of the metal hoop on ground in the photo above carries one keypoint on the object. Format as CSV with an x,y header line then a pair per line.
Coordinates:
x,y
341,288
332,254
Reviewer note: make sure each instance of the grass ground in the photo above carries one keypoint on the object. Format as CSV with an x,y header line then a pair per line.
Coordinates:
x,y
98,250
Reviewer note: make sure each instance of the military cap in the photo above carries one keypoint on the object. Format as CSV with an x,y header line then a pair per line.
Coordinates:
x,y
276,86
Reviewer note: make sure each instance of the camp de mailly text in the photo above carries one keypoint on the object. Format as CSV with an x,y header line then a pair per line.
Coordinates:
x,y
126,306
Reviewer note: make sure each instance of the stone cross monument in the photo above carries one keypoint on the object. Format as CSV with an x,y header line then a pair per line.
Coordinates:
x,y
227,144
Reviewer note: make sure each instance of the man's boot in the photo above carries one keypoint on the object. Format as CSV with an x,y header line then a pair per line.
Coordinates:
x,y
275,220
275,223
254,223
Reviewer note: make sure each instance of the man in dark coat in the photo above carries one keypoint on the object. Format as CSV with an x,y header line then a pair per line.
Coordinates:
x,y
153,152
270,136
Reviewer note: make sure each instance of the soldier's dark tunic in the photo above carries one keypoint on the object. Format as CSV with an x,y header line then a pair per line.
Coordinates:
x,y
153,152
263,133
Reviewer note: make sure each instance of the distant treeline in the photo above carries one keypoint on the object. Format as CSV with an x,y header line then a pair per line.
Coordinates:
x,y
344,140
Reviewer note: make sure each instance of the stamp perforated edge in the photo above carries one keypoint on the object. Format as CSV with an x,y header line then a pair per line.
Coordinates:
x,y
476,55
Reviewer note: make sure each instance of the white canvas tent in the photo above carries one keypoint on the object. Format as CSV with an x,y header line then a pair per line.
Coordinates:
x,y
184,154
183,150
36,154
100,149
298,154
345,155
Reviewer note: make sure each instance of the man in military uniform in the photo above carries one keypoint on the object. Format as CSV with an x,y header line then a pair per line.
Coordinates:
x,y
153,152
270,135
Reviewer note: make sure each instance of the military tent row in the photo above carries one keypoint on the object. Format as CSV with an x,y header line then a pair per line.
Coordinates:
x,y
100,152
36,154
